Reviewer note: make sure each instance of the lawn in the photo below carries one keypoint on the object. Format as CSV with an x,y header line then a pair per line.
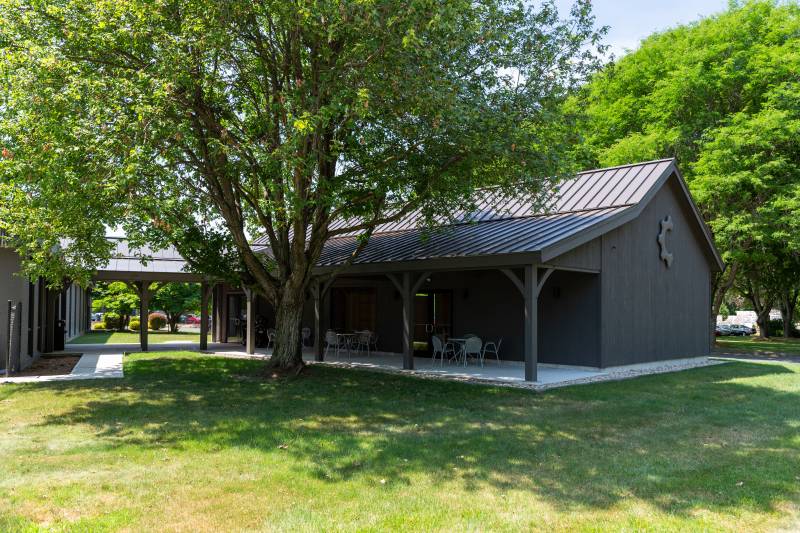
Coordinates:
x,y
129,337
771,346
193,443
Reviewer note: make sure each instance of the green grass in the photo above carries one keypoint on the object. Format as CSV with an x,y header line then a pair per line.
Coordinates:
x,y
194,443
129,337
773,345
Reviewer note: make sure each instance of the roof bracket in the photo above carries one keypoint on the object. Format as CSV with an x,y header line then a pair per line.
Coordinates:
x,y
514,279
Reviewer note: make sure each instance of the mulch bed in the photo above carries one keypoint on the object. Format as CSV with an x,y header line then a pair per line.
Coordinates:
x,y
51,366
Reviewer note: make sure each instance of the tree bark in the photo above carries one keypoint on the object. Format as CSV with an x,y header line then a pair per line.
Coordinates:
x,y
288,351
762,321
722,283
788,307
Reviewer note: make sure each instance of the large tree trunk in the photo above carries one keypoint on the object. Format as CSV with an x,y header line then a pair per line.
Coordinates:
x,y
762,321
788,306
762,301
288,351
720,286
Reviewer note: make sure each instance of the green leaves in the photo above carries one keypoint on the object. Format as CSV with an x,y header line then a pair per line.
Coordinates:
x,y
202,123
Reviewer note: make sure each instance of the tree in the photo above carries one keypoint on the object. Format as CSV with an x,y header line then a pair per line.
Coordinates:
x,y
302,120
177,299
747,175
712,93
116,297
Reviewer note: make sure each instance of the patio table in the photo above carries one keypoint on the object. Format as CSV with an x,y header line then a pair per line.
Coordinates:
x,y
460,342
348,339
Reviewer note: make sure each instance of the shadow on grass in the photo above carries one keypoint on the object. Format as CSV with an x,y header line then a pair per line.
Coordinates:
x,y
718,437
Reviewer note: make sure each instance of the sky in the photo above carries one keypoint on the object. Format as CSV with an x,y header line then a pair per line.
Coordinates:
x,y
630,21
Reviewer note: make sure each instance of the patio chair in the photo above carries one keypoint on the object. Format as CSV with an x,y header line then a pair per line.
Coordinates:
x,y
305,335
441,349
373,341
363,340
271,338
473,348
332,341
492,347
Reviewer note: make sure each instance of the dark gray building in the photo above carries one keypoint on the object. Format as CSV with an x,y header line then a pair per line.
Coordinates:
x,y
614,268
611,268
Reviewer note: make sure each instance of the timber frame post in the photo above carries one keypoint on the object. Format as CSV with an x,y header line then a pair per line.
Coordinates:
x,y
205,291
145,292
318,291
530,287
250,332
408,287
143,288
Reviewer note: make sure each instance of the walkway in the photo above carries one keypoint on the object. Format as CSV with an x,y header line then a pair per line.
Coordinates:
x,y
90,366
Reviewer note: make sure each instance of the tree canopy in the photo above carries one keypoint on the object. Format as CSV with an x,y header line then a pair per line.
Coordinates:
x,y
720,95
177,299
218,121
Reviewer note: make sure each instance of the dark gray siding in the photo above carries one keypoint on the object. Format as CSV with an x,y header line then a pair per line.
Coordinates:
x,y
15,288
588,256
651,312
485,303
569,319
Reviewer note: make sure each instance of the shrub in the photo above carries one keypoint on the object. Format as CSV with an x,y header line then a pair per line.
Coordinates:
x,y
98,326
156,321
775,329
111,321
134,324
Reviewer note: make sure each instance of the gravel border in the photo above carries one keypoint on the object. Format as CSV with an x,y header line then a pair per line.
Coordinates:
x,y
607,375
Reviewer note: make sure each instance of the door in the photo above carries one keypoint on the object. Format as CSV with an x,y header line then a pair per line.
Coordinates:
x,y
434,316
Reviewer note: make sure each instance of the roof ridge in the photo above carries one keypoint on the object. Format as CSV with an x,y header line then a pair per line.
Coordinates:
x,y
627,165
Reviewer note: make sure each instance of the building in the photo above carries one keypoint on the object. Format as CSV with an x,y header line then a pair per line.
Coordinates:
x,y
48,319
614,269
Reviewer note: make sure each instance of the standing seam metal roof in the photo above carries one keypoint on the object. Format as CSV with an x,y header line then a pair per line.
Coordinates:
x,y
502,224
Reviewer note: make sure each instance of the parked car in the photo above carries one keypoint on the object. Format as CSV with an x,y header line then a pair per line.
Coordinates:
x,y
192,319
722,330
741,330
97,317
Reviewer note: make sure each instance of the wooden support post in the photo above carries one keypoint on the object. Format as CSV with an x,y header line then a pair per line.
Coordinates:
x,y
214,313
205,288
319,339
531,322
143,288
250,333
408,322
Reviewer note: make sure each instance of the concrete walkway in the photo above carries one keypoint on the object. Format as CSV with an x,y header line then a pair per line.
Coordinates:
x,y
90,366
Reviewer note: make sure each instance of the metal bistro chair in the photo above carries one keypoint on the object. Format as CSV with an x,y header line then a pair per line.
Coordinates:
x,y
473,347
442,349
363,339
492,347
305,335
332,341
373,341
